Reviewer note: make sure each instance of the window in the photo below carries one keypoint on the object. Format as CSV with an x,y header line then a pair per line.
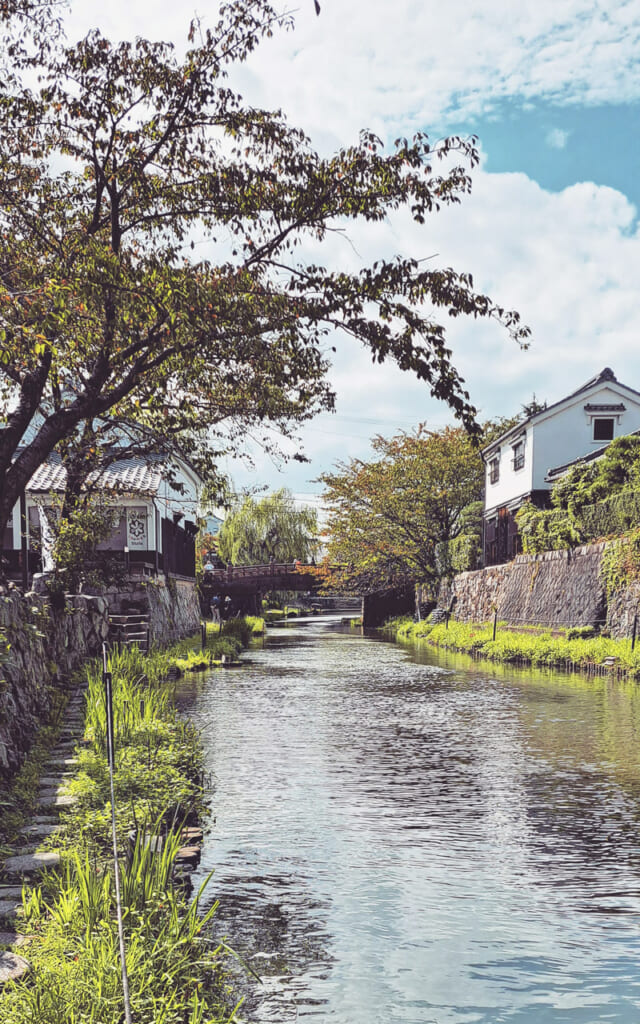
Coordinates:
x,y
494,471
603,429
518,455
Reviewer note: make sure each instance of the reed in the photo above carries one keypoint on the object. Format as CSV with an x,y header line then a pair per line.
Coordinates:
x,y
175,977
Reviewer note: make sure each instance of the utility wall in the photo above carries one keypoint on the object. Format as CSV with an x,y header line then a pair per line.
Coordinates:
x,y
557,588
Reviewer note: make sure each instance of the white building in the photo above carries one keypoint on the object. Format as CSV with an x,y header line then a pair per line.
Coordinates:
x,y
155,501
519,461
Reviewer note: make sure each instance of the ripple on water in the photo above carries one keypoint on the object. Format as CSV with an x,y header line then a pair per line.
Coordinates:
x,y
403,840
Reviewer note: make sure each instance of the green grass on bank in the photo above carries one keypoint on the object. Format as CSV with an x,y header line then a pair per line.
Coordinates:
x,y
288,612
223,640
542,649
176,975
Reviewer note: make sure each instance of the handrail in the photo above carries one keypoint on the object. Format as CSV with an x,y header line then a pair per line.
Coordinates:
x,y
272,569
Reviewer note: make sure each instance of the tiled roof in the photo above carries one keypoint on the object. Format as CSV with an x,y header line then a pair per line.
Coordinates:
x,y
589,457
605,375
130,475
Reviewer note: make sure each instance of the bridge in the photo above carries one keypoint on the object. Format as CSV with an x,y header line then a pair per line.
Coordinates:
x,y
239,579
246,584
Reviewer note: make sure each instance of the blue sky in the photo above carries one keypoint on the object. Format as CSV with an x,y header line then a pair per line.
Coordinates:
x,y
559,145
553,92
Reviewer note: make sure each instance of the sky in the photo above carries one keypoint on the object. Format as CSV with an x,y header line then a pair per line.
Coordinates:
x,y
552,90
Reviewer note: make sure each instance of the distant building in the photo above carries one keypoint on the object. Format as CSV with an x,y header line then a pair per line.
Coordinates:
x,y
520,463
212,523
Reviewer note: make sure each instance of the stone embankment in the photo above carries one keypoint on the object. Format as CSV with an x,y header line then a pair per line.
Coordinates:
x,y
172,607
45,645
557,588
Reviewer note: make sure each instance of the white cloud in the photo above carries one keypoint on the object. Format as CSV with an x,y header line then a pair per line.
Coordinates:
x,y
566,260
364,63
557,138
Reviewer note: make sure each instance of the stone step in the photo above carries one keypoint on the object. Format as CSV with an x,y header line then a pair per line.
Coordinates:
x,y
10,908
38,831
188,855
47,781
191,835
31,863
45,819
10,892
50,791
63,762
13,939
12,967
57,800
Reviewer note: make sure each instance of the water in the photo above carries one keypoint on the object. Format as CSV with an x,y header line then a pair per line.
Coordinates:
x,y
410,837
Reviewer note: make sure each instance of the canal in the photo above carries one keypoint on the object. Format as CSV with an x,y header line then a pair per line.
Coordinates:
x,y
403,836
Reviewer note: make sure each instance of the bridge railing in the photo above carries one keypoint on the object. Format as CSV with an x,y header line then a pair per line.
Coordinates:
x,y
239,572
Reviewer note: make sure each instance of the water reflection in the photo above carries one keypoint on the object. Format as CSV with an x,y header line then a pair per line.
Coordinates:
x,y
407,837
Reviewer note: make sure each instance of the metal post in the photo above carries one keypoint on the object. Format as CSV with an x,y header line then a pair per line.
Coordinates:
x,y
108,696
203,634
633,631
495,622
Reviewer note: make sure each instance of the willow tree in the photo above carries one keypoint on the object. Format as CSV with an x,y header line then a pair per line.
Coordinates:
x,y
115,165
272,528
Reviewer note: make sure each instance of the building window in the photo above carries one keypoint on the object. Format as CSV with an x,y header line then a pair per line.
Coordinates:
x,y
494,471
518,455
603,429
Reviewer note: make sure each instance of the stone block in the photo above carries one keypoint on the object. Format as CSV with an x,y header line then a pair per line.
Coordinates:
x,y
31,863
12,967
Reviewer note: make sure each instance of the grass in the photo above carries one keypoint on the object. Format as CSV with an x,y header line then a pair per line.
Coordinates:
x,y
565,650
224,640
175,976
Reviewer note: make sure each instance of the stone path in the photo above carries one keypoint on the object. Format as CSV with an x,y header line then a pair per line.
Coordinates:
x,y
27,863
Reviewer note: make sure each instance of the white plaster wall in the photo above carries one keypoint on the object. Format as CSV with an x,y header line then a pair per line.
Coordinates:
x,y
170,500
567,433
511,483
557,437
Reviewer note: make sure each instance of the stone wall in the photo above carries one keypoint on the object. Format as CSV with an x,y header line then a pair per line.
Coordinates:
x,y
173,607
44,647
557,588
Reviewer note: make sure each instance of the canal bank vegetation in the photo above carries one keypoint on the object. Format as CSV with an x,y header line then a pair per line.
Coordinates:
x,y
574,649
593,500
176,974
223,643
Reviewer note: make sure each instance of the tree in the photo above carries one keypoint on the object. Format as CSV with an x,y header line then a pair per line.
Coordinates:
x,y
113,168
411,515
271,528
